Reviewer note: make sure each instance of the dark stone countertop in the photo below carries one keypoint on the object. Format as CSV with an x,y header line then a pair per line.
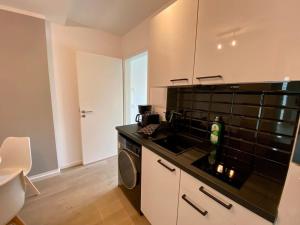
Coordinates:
x,y
258,194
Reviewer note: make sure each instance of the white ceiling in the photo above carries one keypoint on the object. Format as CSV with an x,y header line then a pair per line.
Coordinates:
x,y
114,16
53,10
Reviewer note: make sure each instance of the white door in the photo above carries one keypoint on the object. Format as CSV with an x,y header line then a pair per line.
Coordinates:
x,y
101,97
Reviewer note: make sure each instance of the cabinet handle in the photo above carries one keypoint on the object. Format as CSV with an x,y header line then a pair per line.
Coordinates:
x,y
181,79
204,213
164,165
227,206
209,77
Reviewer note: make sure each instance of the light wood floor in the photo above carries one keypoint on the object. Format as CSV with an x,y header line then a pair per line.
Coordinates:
x,y
82,196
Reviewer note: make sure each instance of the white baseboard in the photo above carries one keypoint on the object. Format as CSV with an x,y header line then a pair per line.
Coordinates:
x,y
71,164
100,160
45,175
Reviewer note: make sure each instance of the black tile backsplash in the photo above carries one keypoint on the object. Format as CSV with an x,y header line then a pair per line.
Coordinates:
x,y
279,114
260,121
281,128
290,101
276,141
245,110
296,157
244,122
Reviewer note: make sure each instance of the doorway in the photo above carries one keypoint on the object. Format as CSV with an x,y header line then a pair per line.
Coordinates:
x,y
135,85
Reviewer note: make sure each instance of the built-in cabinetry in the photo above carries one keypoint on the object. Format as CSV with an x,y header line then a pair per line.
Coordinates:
x,y
160,187
200,204
171,196
172,44
236,42
243,41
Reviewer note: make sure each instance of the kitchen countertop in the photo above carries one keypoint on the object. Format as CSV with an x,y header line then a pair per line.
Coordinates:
x,y
258,194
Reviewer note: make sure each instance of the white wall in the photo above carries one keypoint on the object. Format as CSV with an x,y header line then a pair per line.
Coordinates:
x,y
65,42
26,107
135,42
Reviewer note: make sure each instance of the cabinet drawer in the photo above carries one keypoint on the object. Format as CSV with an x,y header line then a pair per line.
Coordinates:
x,y
193,210
217,204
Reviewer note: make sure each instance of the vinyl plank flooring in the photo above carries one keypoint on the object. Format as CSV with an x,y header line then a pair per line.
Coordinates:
x,y
84,195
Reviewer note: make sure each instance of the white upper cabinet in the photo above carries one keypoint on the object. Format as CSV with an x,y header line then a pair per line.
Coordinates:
x,y
291,38
172,44
247,41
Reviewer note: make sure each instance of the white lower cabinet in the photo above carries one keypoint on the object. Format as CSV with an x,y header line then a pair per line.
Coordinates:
x,y
173,197
160,188
206,206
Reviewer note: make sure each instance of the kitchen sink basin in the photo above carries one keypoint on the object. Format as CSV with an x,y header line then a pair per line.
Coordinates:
x,y
176,143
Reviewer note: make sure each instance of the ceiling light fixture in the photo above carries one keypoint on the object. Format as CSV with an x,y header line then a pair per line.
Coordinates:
x,y
219,46
233,43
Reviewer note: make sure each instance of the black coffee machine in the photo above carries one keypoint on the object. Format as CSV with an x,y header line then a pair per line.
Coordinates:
x,y
146,116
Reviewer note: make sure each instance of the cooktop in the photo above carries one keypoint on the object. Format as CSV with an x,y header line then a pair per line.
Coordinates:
x,y
224,169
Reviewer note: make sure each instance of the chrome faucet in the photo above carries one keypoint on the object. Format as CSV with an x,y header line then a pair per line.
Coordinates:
x,y
172,115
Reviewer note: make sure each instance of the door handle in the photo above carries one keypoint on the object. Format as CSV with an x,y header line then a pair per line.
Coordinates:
x,y
86,111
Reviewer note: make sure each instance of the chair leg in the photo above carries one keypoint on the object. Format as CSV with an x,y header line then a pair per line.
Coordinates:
x,y
36,191
16,221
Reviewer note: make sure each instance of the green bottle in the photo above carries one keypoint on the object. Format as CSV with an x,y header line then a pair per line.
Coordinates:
x,y
216,131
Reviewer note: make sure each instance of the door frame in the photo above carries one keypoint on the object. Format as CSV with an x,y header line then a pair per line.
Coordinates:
x,y
135,55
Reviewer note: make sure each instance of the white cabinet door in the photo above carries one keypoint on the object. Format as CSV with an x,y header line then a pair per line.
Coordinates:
x,y
230,213
291,39
246,41
288,211
160,188
172,44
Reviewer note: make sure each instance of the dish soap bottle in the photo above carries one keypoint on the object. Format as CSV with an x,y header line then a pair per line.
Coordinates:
x,y
215,139
216,131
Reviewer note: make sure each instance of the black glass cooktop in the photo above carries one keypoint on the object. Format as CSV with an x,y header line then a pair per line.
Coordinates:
x,y
225,170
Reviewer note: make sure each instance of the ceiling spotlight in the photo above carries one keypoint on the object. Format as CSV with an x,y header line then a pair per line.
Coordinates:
x,y
233,43
220,46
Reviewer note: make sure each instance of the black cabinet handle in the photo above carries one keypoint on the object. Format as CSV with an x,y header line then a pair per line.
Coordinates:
x,y
164,165
227,206
203,213
209,77
181,79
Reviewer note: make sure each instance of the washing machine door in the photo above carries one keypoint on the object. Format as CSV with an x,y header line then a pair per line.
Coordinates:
x,y
127,169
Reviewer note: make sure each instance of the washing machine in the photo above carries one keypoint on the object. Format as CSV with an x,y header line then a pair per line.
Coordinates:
x,y
129,167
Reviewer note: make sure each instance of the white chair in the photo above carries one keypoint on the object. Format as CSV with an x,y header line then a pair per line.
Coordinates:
x,y
15,152
12,195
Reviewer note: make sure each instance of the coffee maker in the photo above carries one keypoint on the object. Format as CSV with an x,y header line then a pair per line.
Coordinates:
x,y
146,116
